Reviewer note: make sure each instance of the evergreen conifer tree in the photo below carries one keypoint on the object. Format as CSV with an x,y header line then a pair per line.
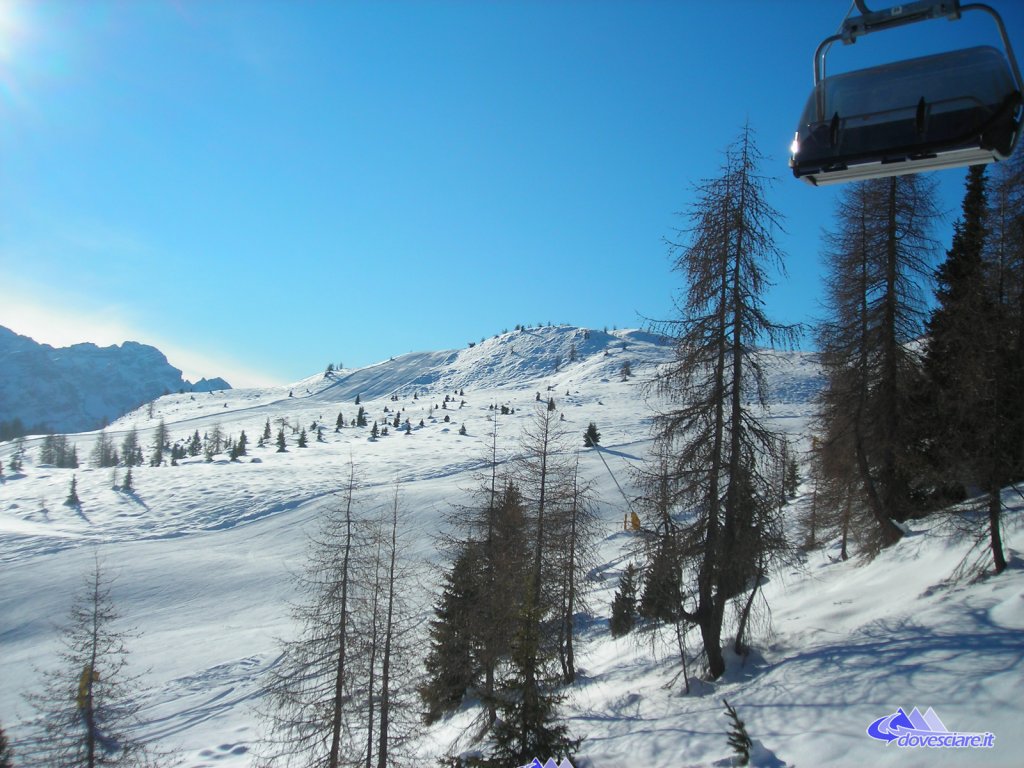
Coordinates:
x,y
451,664
281,443
624,603
195,444
591,437
529,724
131,451
104,454
955,362
302,438
72,500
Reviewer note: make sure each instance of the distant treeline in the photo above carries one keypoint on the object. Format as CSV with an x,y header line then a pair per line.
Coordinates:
x,y
9,430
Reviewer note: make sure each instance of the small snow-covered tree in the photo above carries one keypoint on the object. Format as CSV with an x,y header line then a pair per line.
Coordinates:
x,y
738,738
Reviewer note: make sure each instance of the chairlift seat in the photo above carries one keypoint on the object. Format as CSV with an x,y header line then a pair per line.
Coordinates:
x,y
940,111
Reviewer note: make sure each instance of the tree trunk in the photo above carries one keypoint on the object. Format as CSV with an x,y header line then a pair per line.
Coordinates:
x,y
339,681
739,646
994,509
385,669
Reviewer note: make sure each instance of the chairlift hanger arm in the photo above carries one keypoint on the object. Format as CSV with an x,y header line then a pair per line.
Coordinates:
x,y
875,21
897,16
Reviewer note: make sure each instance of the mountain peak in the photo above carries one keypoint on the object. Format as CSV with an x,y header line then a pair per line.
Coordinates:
x,y
81,386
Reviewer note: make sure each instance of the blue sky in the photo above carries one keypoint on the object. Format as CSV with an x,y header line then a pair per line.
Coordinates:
x,y
262,187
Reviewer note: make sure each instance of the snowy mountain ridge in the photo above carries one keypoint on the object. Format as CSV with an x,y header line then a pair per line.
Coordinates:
x,y
70,389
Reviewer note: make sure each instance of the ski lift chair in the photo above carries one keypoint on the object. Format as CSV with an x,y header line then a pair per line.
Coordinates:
x,y
942,111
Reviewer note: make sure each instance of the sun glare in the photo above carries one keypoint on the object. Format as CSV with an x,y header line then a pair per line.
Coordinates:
x,y
10,29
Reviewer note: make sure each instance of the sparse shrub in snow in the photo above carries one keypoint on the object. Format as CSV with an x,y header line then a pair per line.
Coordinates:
x,y
738,738
6,758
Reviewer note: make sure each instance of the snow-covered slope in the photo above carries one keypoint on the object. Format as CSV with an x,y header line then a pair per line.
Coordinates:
x,y
203,553
69,389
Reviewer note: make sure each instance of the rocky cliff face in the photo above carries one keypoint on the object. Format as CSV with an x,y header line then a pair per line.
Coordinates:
x,y
81,387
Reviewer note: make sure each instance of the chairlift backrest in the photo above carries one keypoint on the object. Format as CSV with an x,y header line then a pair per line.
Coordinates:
x,y
978,76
